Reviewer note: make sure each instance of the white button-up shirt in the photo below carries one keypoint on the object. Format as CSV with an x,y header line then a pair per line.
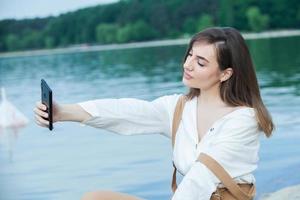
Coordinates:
x,y
233,140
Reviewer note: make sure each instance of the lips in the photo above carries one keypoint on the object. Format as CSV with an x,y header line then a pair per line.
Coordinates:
x,y
187,75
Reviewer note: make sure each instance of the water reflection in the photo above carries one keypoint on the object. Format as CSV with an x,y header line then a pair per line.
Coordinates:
x,y
11,122
144,73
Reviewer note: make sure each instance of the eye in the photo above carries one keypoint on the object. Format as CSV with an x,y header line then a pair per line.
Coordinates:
x,y
200,64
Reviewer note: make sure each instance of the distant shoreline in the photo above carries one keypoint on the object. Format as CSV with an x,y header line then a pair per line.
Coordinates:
x,y
156,43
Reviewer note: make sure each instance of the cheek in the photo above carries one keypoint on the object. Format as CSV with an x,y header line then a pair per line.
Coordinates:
x,y
205,74
206,78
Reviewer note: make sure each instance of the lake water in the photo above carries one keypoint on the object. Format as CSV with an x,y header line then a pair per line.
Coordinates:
x,y
72,159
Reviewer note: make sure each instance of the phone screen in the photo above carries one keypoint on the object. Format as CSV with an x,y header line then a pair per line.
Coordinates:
x,y
46,97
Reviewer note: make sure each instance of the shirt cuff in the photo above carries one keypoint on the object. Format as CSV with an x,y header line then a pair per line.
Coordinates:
x,y
197,184
90,108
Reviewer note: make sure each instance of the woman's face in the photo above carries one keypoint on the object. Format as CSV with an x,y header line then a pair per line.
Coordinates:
x,y
201,68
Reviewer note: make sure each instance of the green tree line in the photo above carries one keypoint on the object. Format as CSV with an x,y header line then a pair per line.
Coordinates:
x,y
141,20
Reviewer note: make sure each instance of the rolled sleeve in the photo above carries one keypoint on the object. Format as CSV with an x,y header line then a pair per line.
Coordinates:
x,y
129,116
197,184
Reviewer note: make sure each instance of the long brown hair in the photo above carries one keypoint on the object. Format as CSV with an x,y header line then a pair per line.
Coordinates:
x,y
241,89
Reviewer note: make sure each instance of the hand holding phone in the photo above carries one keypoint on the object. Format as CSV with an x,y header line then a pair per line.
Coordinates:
x,y
46,98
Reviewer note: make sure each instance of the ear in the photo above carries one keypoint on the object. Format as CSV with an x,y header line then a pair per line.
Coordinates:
x,y
226,74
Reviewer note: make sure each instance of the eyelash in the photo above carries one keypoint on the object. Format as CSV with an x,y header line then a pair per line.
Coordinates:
x,y
200,64
189,54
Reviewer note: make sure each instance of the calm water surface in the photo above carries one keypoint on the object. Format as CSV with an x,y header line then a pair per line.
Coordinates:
x,y
72,159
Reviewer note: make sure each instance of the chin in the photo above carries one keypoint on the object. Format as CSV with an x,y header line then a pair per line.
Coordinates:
x,y
186,83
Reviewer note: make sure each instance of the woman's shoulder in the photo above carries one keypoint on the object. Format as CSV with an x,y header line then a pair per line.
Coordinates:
x,y
241,115
244,111
241,119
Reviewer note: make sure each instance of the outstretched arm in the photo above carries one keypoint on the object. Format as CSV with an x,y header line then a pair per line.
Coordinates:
x,y
126,116
131,116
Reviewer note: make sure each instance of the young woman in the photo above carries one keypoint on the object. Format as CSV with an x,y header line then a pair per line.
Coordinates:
x,y
223,116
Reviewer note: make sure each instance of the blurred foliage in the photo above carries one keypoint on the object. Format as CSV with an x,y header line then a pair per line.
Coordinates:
x,y
256,20
140,20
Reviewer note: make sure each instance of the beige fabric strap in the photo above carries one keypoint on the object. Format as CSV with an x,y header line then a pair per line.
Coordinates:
x,y
177,117
224,177
176,121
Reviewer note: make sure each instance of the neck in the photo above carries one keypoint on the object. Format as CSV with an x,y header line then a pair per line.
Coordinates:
x,y
210,97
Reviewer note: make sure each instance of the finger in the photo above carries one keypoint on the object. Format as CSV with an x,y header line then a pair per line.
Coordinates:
x,y
41,120
38,123
40,113
40,105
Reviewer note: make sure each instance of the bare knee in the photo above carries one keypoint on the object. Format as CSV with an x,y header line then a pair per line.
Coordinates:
x,y
95,195
107,195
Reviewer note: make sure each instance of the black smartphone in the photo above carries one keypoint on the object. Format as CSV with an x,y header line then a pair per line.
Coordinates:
x,y
46,97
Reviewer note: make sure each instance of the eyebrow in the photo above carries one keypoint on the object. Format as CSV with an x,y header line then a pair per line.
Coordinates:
x,y
202,58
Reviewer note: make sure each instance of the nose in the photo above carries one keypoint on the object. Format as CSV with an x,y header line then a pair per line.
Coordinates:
x,y
188,65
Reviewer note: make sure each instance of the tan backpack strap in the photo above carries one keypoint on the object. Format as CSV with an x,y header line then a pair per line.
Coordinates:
x,y
174,183
177,117
225,178
176,121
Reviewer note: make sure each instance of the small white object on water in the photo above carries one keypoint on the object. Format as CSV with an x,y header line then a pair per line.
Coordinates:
x,y
11,120
10,116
